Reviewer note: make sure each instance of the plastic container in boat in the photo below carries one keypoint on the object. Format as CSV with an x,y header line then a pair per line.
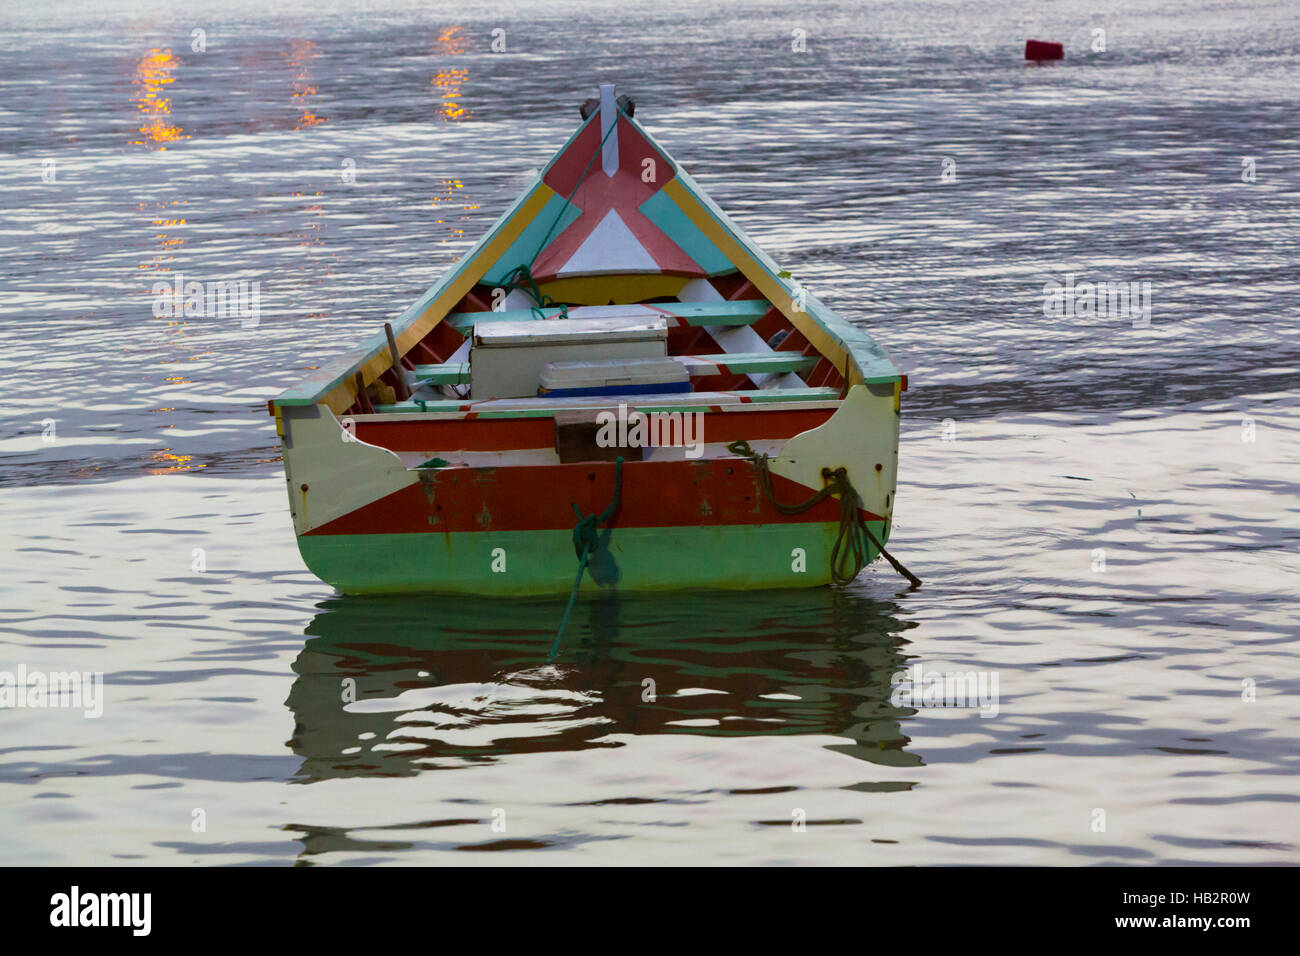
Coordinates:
x,y
637,376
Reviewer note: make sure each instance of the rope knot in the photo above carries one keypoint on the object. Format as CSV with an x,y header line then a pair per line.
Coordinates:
x,y
849,553
585,538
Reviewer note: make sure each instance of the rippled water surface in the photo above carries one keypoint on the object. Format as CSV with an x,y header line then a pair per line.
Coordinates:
x,y
1105,516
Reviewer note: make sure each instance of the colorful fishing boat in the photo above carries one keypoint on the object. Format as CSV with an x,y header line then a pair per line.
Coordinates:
x,y
613,385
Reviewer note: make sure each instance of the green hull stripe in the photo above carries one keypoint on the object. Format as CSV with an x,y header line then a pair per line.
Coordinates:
x,y
733,557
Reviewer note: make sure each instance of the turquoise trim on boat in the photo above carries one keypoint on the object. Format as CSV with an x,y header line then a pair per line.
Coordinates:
x,y
668,216
556,216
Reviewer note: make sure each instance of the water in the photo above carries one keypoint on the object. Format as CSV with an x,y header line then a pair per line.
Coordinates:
x,y
1073,444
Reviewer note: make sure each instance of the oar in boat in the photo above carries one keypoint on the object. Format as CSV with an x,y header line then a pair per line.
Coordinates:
x,y
403,389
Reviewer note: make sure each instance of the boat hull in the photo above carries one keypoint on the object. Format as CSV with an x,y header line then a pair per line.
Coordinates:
x,y
369,524
525,563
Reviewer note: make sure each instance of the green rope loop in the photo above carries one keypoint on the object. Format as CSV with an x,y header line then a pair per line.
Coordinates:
x,y
521,277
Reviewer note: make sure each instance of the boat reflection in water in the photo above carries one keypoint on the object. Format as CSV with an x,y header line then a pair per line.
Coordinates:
x,y
450,682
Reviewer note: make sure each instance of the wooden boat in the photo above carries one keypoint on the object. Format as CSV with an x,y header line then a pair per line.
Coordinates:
x,y
614,384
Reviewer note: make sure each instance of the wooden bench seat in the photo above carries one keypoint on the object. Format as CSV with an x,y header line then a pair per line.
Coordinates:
x,y
547,407
744,312
729,363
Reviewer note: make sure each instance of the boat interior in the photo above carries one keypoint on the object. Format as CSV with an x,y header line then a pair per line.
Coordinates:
x,y
574,342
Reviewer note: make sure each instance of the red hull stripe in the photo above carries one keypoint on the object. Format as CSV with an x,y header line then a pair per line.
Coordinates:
x,y
536,498
463,434
508,434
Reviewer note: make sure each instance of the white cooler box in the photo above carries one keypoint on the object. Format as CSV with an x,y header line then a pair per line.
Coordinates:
x,y
507,358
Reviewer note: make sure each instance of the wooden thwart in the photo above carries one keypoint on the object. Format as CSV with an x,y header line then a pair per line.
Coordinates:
x,y
745,312
457,373
448,373
545,407
725,363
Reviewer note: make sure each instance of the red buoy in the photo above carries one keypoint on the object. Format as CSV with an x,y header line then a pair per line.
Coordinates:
x,y
1043,50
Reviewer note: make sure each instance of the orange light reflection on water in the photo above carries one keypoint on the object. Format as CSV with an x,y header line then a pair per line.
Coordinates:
x,y
163,462
445,201
301,53
447,81
164,218
152,75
